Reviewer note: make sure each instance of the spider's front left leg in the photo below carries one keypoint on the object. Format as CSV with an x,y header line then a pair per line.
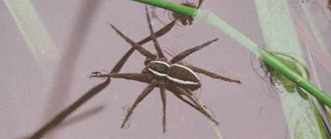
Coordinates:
x,y
159,33
146,91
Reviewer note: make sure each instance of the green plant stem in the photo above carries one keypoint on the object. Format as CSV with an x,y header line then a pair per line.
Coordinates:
x,y
178,8
242,39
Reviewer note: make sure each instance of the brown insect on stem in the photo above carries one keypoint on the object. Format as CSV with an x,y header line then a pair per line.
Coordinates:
x,y
186,20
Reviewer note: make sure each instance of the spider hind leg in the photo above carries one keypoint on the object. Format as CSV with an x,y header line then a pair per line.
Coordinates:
x,y
212,75
146,91
179,92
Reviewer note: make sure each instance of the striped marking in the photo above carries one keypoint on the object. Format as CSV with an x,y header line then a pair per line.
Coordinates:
x,y
157,73
181,81
173,78
161,62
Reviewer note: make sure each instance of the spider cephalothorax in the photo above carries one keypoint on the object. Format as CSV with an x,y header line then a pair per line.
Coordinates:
x,y
180,79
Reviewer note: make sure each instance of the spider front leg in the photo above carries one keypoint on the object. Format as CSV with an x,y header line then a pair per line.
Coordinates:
x,y
187,52
146,78
137,46
146,91
156,44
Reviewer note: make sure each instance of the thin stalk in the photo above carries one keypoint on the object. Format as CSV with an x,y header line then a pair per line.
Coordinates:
x,y
33,32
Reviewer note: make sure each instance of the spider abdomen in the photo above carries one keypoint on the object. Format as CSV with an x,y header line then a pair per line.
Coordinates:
x,y
183,75
175,73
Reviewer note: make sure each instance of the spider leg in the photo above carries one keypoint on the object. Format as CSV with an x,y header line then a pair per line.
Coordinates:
x,y
178,95
159,33
164,104
212,75
146,78
137,46
146,91
187,52
179,91
199,105
156,44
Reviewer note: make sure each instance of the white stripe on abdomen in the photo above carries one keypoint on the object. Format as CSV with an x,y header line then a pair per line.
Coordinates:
x,y
181,81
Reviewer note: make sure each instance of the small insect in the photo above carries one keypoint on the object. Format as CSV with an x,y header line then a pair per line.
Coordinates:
x,y
180,79
279,82
186,20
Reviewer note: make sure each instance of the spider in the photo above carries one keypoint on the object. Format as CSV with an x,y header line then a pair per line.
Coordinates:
x,y
186,19
174,76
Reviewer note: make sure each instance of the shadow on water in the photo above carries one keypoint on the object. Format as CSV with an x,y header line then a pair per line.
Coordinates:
x,y
64,74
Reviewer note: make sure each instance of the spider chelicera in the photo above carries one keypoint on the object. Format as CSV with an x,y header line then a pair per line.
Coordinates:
x,y
174,76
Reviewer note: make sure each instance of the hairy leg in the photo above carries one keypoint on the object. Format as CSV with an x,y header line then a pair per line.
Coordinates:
x,y
156,44
164,104
126,56
137,46
179,92
146,78
146,91
187,52
212,75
